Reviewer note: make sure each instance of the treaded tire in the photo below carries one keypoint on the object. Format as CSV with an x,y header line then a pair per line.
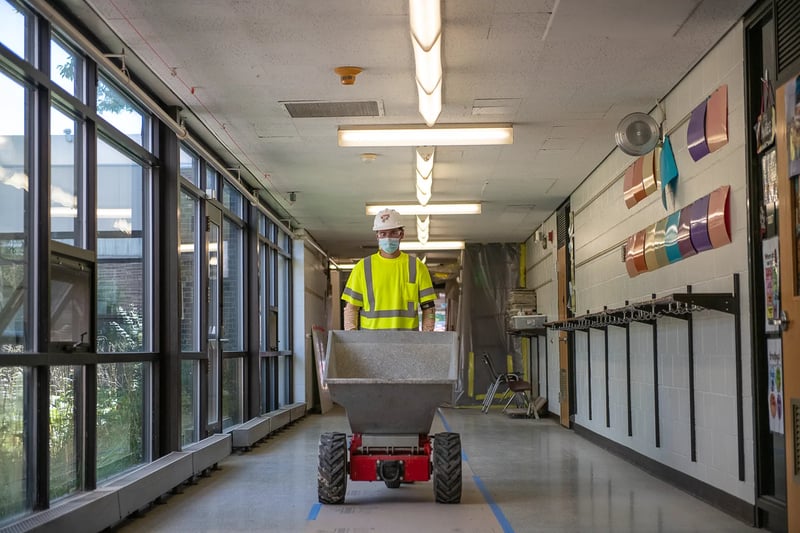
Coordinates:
x,y
447,467
393,484
332,470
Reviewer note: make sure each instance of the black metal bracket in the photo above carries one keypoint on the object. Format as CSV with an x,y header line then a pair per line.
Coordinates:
x,y
681,306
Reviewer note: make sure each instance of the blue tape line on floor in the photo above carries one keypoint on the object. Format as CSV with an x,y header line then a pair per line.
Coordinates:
x,y
501,518
312,514
444,421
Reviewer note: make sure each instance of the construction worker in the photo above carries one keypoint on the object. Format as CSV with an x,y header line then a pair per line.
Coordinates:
x,y
386,289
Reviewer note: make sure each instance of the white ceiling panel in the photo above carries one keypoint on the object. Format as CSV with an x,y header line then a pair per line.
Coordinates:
x,y
568,76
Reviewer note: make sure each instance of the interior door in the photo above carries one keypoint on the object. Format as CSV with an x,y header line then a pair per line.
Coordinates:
x,y
563,352
213,373
788,163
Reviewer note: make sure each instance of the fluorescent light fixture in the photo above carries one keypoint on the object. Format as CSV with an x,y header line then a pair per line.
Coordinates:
x,y
423,197
430,209
423,226
432,245
428,66
419,135
424,174
424,184
430,105
425,160
425,18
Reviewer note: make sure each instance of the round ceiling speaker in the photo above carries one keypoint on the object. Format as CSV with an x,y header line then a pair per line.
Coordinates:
x,y
637,134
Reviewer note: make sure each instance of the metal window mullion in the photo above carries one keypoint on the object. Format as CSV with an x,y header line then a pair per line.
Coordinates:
x,y
251,325
38,158
89,428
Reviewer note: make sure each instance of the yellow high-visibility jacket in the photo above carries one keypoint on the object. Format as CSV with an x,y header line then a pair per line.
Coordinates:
x,y
389,292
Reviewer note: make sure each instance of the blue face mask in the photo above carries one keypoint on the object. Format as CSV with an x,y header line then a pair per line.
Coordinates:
x,y
389,245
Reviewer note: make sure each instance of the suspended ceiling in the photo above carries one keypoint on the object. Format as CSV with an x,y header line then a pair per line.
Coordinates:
x,y
563,72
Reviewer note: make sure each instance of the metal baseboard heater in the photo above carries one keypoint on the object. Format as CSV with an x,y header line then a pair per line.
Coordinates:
x,y
109,504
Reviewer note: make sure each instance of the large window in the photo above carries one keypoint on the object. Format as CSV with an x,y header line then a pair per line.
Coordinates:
x,y
122,113
232,393
263,294
13,28
14,186
232,288
232,199
65,431
12,441
88,333
284,291
190,400
66,68
120,423
190,166
120,252
188,250
67,202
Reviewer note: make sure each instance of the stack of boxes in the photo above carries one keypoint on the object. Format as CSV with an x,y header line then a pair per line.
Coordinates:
x,y
521,302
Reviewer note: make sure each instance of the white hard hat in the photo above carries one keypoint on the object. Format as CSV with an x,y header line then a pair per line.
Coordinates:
x,y
386,219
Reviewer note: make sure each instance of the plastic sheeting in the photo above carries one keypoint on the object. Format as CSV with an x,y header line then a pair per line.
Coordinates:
x,y
489,272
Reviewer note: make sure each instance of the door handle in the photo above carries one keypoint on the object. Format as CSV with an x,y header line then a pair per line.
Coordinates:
x,y
783,321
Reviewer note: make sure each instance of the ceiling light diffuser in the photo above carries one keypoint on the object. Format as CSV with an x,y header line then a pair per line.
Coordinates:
x,y
419,135
425,160
430,209
424,184
430,105
423,197
425,18
428,65
432,245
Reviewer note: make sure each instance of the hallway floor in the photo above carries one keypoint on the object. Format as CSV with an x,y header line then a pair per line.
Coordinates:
x,y
520,475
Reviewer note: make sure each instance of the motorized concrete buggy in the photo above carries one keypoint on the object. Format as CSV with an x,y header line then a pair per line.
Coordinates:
x,y
390,383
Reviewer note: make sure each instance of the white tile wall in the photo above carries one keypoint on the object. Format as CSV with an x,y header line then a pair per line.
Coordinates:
x,y
603,281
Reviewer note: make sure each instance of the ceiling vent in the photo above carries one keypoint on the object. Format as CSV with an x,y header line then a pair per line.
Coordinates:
x,y
370,108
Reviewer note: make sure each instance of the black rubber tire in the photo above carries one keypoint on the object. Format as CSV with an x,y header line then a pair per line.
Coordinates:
x,y
332,470
393,484
447,467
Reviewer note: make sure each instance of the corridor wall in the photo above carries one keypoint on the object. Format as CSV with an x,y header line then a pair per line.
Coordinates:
x,y
601,224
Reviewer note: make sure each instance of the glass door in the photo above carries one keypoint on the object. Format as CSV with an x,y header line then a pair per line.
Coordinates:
x,y
213,372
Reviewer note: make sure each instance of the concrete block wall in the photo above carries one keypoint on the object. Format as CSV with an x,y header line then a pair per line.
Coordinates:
x,y
540,274
604,222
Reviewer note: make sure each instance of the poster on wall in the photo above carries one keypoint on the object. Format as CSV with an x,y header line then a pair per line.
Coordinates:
x,y
772,285
793,124
769,179
775,366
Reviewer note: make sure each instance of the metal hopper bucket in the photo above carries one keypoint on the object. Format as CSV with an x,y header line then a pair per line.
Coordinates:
x,y
391,382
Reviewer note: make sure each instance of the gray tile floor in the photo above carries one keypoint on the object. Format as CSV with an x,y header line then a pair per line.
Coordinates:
x,y
521,475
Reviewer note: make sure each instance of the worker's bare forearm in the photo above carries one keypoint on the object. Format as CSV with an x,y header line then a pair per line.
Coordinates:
x,y
350,317
428,319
